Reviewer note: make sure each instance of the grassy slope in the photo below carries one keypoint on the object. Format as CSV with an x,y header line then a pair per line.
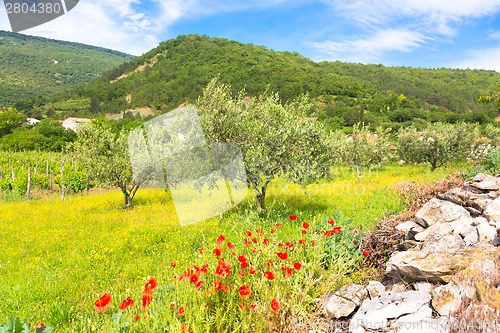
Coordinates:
x,y
57,257
29,68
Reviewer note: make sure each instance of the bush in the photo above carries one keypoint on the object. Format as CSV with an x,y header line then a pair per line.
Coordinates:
x,y
489,164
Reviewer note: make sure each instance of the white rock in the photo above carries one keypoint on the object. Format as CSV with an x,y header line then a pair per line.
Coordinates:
x,y
436,210
485,230
338,307
409,226
424,286
374,288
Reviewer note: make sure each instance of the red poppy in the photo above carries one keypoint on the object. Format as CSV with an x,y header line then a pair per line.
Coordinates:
x,y
297,265
315,231
366,253
266,241
244,264
217,252
180,311
283,255
241,273
242,258
203,270
201,250
255,240
230,246
227,288
302,242
41,325
269,263
241,305
252,271
221,239
259,231
103,303
336,230
275,305
174,264
193,278
248,233
147,298
186,328
278,225
288,271
126,303
218,285
272,231
304,232
252,307
136,318
223,268
269,275
305,225
246,242
293,217
331,220
198,285
245,291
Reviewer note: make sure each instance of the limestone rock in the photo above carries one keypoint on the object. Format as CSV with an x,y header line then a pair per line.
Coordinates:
x,y
424,286
374,288
345,300
486,232
492,212
378,313
437,266
436,210
409,226
487,185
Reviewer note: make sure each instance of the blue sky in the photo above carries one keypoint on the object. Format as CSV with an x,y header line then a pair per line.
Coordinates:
x,y
416,33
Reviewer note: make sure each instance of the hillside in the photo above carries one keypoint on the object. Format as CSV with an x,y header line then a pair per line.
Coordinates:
x,y
34,66
345,93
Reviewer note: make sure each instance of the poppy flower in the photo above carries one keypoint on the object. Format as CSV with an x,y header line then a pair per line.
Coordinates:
x,y
193,278
230,246
269,263
136,318
278,225
147,298
242,258
103,303
269,275
302,242
304,232
366,253
217,252
246,242
181,311
248,233
241,273
252,271
126,303
245,291
272,231
331,220
174,264
201,250
241,305
221,239
266,241
244,264
283,255
198,285
305,225
288,271
218,285
297,265
186,328
253,307
336,230
41,325
275,305
223,268
293,217
151,284
227,288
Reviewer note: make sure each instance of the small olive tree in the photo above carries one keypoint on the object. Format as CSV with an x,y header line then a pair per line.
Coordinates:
x,y
275,139
362,150
106,158
438,144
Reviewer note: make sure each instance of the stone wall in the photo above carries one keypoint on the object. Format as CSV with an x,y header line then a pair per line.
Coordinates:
x,y
448,270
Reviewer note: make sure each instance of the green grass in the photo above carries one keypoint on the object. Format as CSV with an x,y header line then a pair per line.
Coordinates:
x,y
57,257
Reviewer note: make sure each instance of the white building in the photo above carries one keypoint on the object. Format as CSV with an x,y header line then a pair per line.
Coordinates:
x,y
32,121
72,123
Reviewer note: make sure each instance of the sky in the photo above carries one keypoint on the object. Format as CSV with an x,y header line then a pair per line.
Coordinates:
x,y
412,33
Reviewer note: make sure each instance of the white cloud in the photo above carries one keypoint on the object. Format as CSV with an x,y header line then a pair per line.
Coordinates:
x,y
371,48
494,35
480,59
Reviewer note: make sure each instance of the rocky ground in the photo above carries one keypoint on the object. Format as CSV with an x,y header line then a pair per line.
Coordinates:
x,y
443,276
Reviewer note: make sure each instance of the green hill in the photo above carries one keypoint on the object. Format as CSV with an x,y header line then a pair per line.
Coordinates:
x,y
178,69
35,66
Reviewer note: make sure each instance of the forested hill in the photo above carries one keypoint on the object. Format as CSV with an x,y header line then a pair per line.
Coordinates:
x,y
178,69
34,66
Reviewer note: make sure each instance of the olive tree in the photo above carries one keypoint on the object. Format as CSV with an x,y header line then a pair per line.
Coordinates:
x,y
106,158
362,150
438,144
276,139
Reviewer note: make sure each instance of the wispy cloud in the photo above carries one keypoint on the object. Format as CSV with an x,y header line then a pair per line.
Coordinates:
x,y
480,59
369,49
494,35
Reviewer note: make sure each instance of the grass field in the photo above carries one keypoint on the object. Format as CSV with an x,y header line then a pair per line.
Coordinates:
x,y
57,257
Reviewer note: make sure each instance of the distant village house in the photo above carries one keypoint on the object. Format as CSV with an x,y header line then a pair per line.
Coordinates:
x,y
72,123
